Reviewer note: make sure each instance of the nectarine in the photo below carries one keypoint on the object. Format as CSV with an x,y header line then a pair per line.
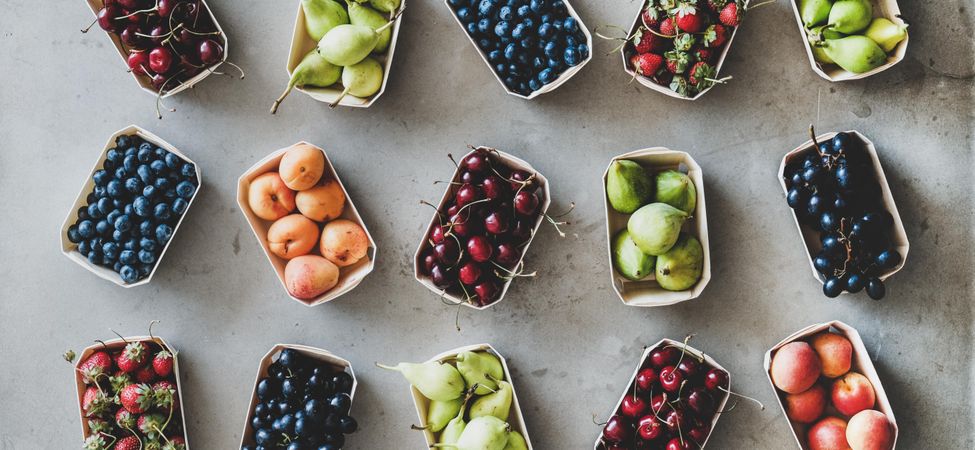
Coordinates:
x,y
828,434
302,166
292,236
795,367
344,242
853,393
269,198
323,202
807,406
870,430
835,353
309,276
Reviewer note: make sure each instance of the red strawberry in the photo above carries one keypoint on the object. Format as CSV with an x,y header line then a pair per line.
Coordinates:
x,y
688,18
647,64
162,363
145,374
715,36
128,443
125,419
98,364
94,403
151,424
717,5
667,27
651,16
175,443
136,398
701,75
677,61
703,54
166,395
730,15
646,42
132,358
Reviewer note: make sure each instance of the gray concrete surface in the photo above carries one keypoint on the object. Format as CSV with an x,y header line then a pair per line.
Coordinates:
x,y
571,343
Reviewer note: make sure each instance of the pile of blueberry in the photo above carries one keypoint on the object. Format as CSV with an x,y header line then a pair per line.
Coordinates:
x,y
528,42
303,405
140,193
834,190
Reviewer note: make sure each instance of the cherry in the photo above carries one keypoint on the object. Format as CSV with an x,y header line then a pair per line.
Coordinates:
x,y
131,4
507,255
452,210
462,226
674,420
699,434
160,60
210,51
469,273
479,248
108,18
650,428
518,177
526,203
441,277
701,402
618,429
427,262
671,378
662,357
522,229
159,80
476,163
487,292
466,194
165,7
132,17
657,403
645,379
468,177
447,252
130,37
690,367
496,223
494,188
436,235
676,444
157,34
634,406
138,61
716,378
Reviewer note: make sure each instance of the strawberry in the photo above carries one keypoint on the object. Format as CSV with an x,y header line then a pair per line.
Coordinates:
x,y
667,27
136,398
647,64
703,54
98,364
715,36
119,381
730,15
151,424
651,16
685,41
680,86
132,358
145,375
677,61
124,419
688,18
95,402
99,426
165,395
128,443
701,75
716,5
646,42
175,443
95,442
162,363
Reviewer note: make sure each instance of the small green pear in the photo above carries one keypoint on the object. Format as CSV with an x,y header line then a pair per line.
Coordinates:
x,y
676,189
850,16
435,380
322,15
681,267
482,433
629,260
386,6
361,79
814,12
453,430
482,369
857,54
655,227
439,414
885,33
312,71
348,44
516,441
363,15
821,33
497,403
628,186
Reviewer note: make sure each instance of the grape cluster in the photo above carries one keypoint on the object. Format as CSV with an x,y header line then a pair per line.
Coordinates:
x,y
834,190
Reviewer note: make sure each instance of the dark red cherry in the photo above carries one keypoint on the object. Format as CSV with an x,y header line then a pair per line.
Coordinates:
x,y
487,292
690,367
634,407
463,225
618,429
649,428
129,36
469,273
452,210
469,177
165,7
645,379
476,163
699,434
494,188
157,34
442,277
507,255
701,402
716,378
522,229
466,194
657,403
670,379
209,51
526,203
138,62
518,177
427,262
677,444
447,252
479,248
662,357
496,222
675,419
437,234
160,60
108,18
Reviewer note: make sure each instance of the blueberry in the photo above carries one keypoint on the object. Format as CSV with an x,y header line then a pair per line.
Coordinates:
x,y
185,189
546,76
123,141
130,163
558,6
538,6
500,68
157,167
73,235
149,191
141,206
486,8
94,256
875,288
147,257
495,56
118,235
163,233
519,31
522,59
146,228
119,173
538,63
123,223
100,177
133,185
340,403
130,244
127,257
545,30
86,229
84,247
83,213
465,15
348,425
569,25
553,50
173,161
514,70
510,51
472,29
840,142
179,206
505,13
583,50
144,173
503,29
524,11
111,250
571,56
188,170
115,188
113,155
554,64
529,43
94,212
162,184
102,228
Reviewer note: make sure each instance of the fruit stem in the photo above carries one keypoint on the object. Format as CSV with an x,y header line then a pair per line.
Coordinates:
x,y
277,103
392,20
760,404
336,102
88,28
383,366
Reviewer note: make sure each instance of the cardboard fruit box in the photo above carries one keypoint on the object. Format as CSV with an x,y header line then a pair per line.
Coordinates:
x,y
301,44
720,405
810,237
861,364
144,81
544,202
647,292
317,354
562,78
70,249
832,72
515,418
119,344
349,277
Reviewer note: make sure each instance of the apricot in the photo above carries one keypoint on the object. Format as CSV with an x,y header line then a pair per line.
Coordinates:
x,y
269,198
292,236
309,276
323,202
853,393
835,353
870,430
828,434
344,242
302,166
795,367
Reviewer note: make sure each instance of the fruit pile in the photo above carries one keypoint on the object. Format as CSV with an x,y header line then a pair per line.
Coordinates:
x,y
301,183
529,43
138,198
819,388
845,33
302,404
670,405
652,242
833,189
469,401
347,34
168,41
131,400
679,43
482,227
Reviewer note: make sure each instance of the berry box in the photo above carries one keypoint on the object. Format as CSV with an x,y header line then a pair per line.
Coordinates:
x,y
349,276
645,361
70,249
832,72
301,44
516,418
560,80
861,363
510,162
317,354
810,237
647,292
144,81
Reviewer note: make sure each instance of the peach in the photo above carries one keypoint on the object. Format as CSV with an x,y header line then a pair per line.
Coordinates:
x,y
302,166
807,406
269,198
835,353
344,242
292,236
853,393
870,430
309,276
795,367
828,434
323,202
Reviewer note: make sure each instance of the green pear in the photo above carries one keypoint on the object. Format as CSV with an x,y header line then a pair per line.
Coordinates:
x,y
348,44
363,15
655,227
435,380
814,12
516,441
857,54
676,189
361,79
439,414
482,369
482,433
820,33
386,6
497,403
628,186
681,267
629,260
850,16
322,15
313,71
885,33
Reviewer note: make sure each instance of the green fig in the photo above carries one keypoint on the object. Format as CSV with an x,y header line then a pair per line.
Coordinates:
x,y
482,369
628,186
497,403
885,33
857,54
439,414
516,441
814,12
629,260
482,433
435,380
312,71
361,79
676,189
348,44
323,15
850,16
654,228
364,15
680,268
386,6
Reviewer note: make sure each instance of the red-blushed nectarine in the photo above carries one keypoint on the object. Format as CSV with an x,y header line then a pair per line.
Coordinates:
x,y
344,242
835,353
269,198
807,406
795,367
309,276
292,236
323,202
870,430
828,434
302,166
853,393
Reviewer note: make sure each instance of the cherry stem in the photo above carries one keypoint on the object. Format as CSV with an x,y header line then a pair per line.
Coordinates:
x,y
751,7
760,404
88,28
150,329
